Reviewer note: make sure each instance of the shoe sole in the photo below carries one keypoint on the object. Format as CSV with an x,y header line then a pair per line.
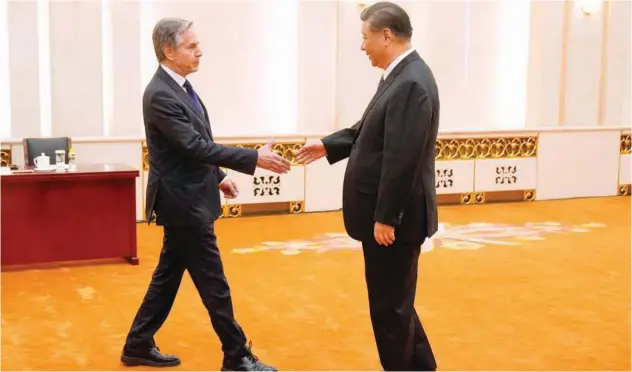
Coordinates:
x,y
134,362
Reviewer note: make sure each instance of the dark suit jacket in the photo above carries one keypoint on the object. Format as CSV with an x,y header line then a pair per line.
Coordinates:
x,y
184,173
390,175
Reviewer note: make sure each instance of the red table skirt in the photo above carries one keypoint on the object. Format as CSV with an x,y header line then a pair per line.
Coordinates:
x,y
84,215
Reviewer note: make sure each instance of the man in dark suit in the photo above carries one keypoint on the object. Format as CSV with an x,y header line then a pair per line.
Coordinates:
x,y
389,200
183,190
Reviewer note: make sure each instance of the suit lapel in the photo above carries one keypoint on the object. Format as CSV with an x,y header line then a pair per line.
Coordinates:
x,y
390,79
208,119
387,83
184,97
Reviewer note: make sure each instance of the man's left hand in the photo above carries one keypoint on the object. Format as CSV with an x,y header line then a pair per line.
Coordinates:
x,y
229,188
384,234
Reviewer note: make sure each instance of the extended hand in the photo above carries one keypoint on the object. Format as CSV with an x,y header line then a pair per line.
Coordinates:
x,y
229,188
272,161
311,152
384,234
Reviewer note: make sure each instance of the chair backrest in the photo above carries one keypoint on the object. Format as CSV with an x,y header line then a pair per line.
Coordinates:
x,y
34,147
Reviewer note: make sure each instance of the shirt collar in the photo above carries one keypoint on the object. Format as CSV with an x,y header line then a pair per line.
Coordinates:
x,y
395,62
177,77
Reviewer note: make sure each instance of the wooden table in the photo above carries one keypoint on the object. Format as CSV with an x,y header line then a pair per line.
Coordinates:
x,y
85,214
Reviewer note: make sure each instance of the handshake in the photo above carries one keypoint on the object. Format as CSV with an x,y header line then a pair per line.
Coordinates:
x,y
272,161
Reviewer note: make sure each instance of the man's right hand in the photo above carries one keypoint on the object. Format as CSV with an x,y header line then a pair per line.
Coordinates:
x,y
311,152
272,161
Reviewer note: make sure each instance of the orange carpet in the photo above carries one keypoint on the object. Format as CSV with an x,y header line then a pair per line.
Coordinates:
x,y
522,286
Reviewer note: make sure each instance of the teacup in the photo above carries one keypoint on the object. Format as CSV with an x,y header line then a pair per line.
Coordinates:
x,y
42,162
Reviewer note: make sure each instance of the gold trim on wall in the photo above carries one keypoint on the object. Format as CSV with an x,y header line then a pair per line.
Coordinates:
x,y
288,150
486,197
486,148
445,148
145,157
623,190
231,210
5,157
473,198
626,144
297,206
262,209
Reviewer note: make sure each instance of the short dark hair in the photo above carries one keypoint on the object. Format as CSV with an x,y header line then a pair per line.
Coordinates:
x,y
388,15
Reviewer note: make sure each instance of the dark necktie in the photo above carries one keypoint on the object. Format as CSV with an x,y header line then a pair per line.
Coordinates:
x,y
193,96
381,82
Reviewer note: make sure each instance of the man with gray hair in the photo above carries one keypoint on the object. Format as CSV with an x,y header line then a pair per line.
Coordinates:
x,y
183,190
389,195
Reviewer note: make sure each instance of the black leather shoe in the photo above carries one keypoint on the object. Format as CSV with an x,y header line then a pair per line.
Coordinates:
x,y
153,358
248,362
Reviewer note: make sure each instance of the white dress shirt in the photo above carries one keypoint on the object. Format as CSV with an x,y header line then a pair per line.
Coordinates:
x,y
177,77
397,60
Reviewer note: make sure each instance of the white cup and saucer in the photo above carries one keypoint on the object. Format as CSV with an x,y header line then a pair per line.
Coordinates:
x,y
42,164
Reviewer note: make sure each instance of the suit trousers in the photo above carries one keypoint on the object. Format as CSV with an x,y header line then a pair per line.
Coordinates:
x,y
391,278
193,249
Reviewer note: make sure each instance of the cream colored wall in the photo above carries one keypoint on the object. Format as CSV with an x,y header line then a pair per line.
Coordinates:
x,y
616,97
305,73
470,47
317,61
579,66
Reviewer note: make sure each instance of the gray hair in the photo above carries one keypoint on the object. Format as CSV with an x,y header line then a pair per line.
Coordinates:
x,y
388,15
168,31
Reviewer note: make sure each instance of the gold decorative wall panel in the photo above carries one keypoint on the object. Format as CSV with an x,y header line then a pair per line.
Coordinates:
x,y
297,206
287,150
145,155
626,144
5,157
473,198
529,195
487,197
232,210
486,148
624,190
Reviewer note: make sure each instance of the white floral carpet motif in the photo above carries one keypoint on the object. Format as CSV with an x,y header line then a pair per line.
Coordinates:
x,y
458,237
